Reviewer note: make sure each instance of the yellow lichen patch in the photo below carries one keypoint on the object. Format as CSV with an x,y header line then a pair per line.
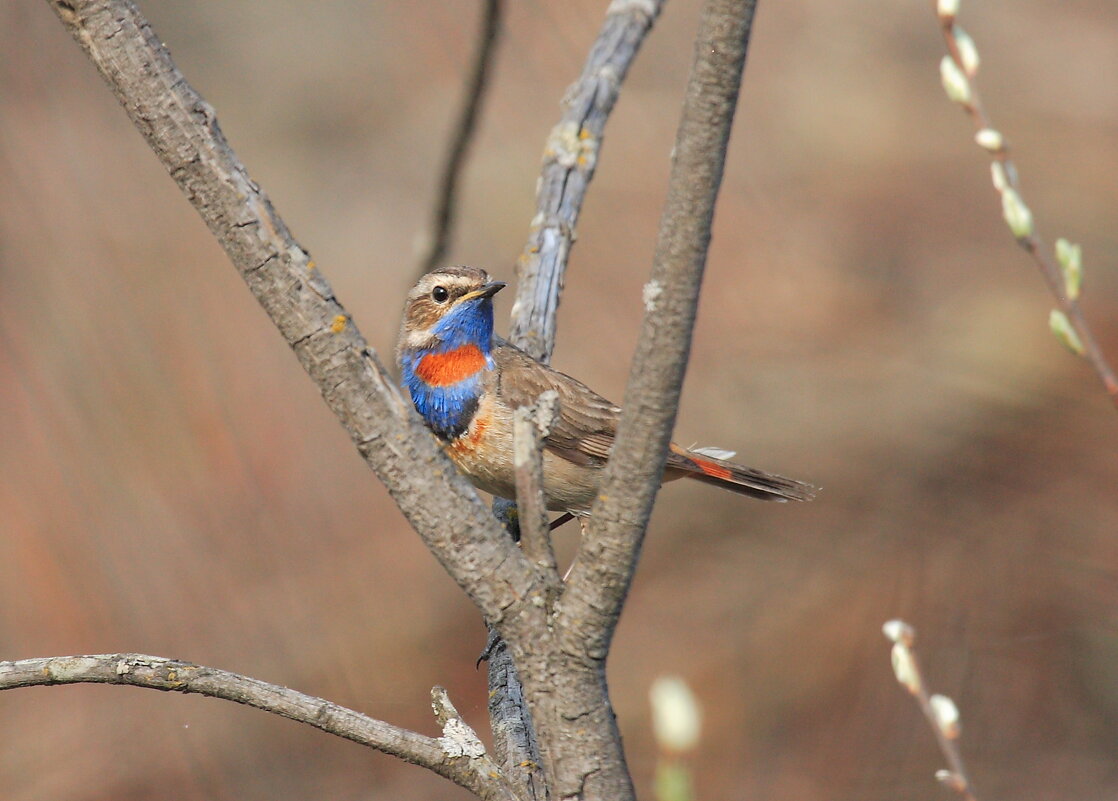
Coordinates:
x,y
339,324
562,144
588,149
311,265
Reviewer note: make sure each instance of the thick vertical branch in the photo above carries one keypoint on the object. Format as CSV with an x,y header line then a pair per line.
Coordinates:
x,y
600,577
515,744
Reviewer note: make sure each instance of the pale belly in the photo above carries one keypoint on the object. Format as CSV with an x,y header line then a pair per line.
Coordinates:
x,y
484,455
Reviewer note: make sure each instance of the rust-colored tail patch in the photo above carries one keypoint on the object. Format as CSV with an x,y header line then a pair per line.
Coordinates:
x,y
711,469
683,463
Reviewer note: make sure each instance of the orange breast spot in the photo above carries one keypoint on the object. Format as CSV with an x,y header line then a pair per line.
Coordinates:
x,y
468,443
444,369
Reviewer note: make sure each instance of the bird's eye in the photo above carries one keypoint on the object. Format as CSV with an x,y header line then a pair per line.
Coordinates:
x,y
440,294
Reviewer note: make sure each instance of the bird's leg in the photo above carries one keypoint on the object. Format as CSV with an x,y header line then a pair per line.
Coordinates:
x,y
566,517
583,522
491,643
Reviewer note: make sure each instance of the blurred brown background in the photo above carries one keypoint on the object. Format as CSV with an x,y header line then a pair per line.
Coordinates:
x,y
170,482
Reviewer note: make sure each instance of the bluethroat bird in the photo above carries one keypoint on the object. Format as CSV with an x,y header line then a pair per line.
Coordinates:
x,y
466,384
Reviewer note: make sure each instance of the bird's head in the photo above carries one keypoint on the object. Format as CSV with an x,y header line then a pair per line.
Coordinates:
x,y
448,308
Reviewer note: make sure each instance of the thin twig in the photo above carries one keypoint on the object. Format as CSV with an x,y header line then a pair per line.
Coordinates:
x,y
436,240
472,770
599,579
909,675
963,54
530,426
570,156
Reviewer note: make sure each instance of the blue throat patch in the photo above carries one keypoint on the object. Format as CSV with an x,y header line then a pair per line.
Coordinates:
x,y
448,409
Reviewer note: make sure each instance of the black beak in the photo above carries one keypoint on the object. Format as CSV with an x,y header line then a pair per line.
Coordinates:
x,y
485,291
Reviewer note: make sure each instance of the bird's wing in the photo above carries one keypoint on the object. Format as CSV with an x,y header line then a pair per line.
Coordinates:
x,y
583,430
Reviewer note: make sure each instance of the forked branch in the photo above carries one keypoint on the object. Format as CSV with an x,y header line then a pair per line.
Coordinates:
x,y
564,679
579,743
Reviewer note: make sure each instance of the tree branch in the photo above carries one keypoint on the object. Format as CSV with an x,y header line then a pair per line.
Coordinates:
x,y
529,427
939,710
183,131
515,742
603,569
570,157
467,768
437,238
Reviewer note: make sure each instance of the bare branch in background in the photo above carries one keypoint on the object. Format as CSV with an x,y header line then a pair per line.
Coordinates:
x,y
939,710
436,239
466,767
1063,273
570,156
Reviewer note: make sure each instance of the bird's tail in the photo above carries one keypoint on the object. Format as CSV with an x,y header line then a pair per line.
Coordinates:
x,y
709,466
